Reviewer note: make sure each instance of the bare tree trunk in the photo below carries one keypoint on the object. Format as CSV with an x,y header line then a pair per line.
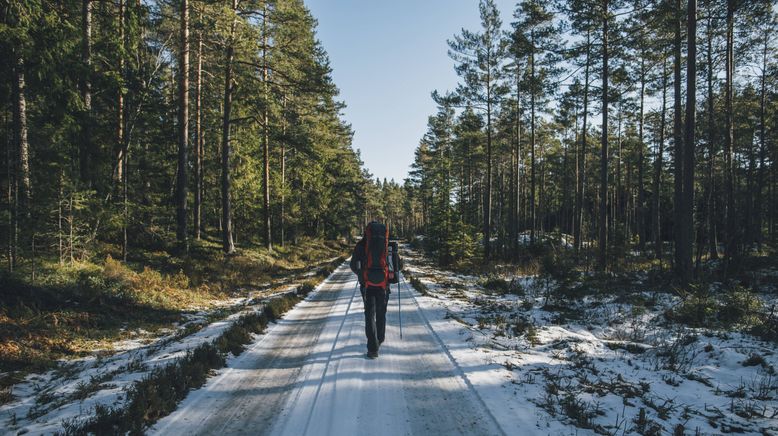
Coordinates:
x,y
517,169
121,141
710,197
283,177
532,189
617,215
640,215
120,98
125,204
729,137
603,240
12,206
226,219
183,135
198,139
266,135
71,235
517,194
578,230
85,149
60,235
658,169
488,194
23,147
762,145
678,197
685,247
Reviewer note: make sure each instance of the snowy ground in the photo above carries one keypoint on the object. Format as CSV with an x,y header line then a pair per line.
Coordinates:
x,y
470,362
309,376
602,366
44,401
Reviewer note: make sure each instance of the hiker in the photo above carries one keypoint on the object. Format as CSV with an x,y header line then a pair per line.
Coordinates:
x,y
375,270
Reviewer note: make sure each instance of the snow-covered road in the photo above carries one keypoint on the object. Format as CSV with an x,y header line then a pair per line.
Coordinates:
x,y
308,375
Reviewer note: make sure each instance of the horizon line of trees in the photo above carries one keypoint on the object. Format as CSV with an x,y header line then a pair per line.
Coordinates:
x,y
514,148
127,122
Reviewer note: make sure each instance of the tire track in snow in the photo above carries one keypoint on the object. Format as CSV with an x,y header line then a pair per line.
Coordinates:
x,y
308,375
451,358
329,358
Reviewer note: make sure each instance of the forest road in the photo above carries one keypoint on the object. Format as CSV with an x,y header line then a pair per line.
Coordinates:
x,y
308,375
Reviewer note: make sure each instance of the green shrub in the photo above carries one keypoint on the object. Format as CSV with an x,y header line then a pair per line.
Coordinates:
x,y
740,306
496,284
306,287
419,286
277,306
735,306
696,310
501,286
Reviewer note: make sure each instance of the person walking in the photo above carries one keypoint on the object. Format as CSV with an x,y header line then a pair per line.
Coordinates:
x,y
375,271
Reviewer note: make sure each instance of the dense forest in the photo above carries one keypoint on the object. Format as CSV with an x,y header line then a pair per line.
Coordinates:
x,y
589,223
622,129
155,124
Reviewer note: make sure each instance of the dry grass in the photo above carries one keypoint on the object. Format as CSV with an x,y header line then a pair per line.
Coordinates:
x,y
76,309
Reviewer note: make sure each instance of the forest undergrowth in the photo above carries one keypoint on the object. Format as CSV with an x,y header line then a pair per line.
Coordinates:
x,y
629,350
94,304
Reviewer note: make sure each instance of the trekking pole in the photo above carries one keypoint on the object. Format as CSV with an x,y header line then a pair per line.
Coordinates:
x,y
399,306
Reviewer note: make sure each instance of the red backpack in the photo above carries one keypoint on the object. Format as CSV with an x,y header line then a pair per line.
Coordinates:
x,y
376,271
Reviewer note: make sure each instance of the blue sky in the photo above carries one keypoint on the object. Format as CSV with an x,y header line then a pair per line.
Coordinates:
x,y
387,57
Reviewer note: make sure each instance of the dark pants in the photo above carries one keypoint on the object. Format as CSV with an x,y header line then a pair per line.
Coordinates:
x,y
375,317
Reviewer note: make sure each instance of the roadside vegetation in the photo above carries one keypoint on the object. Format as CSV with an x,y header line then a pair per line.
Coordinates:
x,y
85,307
628,351
160,391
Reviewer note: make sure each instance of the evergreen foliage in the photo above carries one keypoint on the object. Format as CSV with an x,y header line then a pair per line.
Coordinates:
x,y
638,185
100,159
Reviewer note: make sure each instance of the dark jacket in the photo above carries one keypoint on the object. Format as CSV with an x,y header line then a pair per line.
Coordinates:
x,y
358,259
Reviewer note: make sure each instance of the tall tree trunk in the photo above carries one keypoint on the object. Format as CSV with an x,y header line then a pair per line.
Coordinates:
x,y
517,164
687,211
532,188
617,215
658,169
24,184
85,148
22,146
121,142
119,174
603,240
640,215
183,132
198,139
762,143
227,243
266,135
10,157
711,188
678,196
488,194
578,230
283,176
729,137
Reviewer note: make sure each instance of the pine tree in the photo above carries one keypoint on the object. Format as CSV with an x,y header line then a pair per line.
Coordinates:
x,y
535,36
480,57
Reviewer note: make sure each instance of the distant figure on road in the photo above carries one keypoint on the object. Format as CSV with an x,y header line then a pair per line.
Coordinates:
x,y
375,269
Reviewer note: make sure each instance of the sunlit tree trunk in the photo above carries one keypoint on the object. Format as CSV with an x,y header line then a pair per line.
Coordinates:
x,y
226,219
183,132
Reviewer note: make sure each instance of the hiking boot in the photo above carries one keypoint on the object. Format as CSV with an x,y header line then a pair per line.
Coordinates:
x,y
372,354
